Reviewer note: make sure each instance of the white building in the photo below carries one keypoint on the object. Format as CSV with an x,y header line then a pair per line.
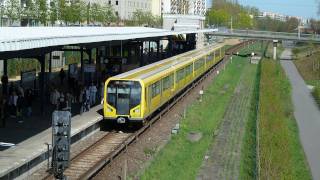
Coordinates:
x,y
190,7
125,8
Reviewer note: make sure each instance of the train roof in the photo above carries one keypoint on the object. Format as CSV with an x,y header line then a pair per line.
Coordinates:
x,y
178,62
157,67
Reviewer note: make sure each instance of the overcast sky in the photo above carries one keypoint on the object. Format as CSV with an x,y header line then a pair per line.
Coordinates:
x,y
303,8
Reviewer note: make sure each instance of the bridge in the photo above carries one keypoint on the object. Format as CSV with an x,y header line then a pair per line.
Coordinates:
x,y
266,35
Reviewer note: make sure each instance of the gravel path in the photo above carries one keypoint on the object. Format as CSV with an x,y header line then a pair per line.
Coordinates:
x,y
306,113
224,157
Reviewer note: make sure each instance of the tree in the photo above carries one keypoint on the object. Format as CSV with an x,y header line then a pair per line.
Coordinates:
x,y
12,10
108,14
138,17
42,11
2,11
30,11
145,18
62,15
53,12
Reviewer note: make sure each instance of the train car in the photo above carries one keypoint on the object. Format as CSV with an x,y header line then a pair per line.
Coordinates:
x,y
135,95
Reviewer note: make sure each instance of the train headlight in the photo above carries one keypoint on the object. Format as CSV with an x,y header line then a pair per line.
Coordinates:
x,y
137,110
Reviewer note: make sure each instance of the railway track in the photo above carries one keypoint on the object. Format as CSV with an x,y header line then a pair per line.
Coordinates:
x,y
89,162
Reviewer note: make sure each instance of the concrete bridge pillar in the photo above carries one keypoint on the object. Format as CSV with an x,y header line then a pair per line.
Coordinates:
x,y
275,44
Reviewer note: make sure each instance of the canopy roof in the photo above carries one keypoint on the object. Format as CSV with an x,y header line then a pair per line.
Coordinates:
x,y
24,38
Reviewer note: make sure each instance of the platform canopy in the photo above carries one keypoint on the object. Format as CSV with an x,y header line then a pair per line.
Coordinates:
x,y
25,38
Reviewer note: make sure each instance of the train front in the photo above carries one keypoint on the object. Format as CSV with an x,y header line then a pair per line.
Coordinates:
x,y
122,101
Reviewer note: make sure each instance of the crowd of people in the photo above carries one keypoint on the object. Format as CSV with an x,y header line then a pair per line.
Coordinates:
x,y
16,101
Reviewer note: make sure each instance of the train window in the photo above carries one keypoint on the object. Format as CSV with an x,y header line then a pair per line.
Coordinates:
x,y
189,68
210,57
135,95
112,93
180,75
155,89
124,95
199,63
167,82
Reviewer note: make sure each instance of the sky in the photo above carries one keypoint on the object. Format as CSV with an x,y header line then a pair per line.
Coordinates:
x,y
302,8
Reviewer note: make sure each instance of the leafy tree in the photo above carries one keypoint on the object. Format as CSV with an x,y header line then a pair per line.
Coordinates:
x,y
62,11
30,11
140,17
12,10
42,11
108,14
53,12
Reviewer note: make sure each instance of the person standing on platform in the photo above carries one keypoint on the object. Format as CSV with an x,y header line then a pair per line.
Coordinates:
x,y
4,81
62,76
13,104
28,102
93,91
87,98
20,104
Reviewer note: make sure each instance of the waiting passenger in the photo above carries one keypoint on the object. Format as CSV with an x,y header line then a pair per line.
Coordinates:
x,y
93,91
28,102
62,76
13,104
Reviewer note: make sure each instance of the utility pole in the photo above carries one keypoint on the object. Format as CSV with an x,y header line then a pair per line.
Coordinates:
x,y
231,25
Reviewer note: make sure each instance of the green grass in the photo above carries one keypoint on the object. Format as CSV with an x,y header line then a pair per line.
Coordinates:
x,y
280,152
248,164
180,158
255,47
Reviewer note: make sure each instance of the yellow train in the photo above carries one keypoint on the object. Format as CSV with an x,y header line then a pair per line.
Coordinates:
x,y
133,96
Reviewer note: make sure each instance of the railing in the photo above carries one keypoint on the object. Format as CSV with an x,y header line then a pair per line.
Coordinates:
x,y
267,34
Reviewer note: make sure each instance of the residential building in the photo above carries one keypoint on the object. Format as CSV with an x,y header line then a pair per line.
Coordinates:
x,y
124,9
190,7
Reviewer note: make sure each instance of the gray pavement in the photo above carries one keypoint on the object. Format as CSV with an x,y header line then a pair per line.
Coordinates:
x,y
307,114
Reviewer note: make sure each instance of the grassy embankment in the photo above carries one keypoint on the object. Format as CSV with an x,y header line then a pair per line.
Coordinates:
x,y
180,158
249,148
308,64
280,153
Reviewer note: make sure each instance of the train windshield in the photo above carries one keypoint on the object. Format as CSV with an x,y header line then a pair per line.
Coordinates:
x,y
124,95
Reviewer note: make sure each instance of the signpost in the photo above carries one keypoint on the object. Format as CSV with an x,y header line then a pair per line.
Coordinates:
x,y
61,138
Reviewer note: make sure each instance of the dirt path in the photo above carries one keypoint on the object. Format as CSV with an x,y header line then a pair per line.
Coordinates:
x,y
225,154
306,113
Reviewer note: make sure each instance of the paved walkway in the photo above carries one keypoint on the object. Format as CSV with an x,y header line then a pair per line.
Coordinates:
x,y
306,113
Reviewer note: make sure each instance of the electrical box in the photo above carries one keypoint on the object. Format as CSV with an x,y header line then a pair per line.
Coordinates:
x,y
61,139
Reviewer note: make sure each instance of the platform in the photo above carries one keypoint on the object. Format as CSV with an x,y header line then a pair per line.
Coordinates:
x,y
32,151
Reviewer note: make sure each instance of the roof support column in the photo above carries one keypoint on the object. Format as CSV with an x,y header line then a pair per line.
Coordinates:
x,y
158,49
81,63
141,54
5,76
5,67
170,45
149,50
89,51
50,63
42,59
